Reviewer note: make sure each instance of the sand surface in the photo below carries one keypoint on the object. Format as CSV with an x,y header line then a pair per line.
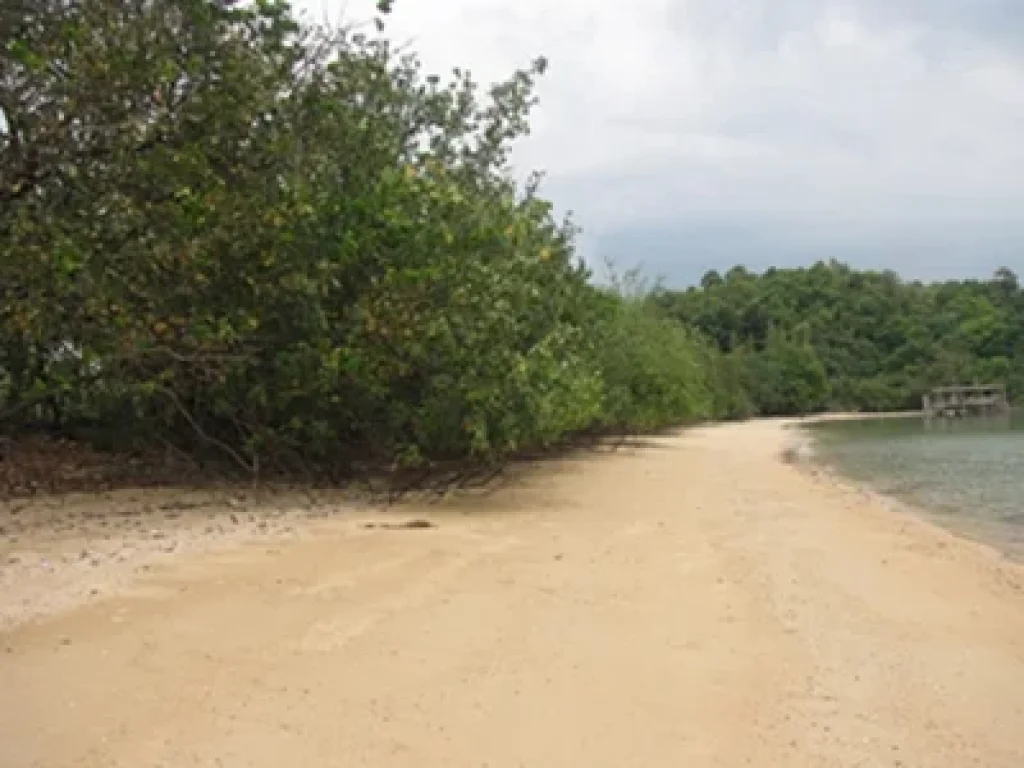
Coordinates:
x,y
689,601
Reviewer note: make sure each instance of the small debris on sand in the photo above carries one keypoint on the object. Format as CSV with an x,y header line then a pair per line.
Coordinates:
x,y
405,525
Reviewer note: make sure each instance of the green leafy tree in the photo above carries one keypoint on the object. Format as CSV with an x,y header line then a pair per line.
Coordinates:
x,y
882,342
240,237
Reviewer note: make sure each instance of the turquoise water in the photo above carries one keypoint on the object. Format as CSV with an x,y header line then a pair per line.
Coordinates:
x,y
969,473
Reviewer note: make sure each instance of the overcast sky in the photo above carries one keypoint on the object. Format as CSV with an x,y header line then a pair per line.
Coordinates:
x,y
691,134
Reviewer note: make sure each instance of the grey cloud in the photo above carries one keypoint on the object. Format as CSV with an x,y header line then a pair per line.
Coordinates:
x,y
760,24
682,252
688,134
995,20
763,24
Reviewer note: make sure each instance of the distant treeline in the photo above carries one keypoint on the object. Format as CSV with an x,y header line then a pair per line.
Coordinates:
x,y
831,337
231,236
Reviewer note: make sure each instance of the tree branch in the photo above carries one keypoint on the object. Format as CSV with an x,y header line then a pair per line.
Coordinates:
x,y
250,468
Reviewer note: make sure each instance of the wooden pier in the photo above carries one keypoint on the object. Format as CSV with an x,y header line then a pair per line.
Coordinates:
x,y
953,402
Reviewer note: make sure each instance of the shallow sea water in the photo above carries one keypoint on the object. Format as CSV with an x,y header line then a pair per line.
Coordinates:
x,y
967,473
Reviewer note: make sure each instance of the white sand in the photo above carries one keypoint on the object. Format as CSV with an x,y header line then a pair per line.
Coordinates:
x,y
693,601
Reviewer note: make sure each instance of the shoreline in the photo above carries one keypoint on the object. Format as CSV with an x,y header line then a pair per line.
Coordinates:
x,y
954,520
731,608
63,552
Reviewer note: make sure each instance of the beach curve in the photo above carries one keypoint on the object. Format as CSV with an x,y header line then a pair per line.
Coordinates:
x,y
688,600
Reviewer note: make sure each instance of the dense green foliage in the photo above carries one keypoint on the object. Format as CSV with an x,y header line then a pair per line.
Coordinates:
x,y
833,337
230,234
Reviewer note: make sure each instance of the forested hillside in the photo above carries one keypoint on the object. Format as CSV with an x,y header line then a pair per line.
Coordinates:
x,y
833,337
236,238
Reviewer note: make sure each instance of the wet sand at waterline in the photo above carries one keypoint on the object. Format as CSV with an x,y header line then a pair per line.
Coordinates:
x,y
686,601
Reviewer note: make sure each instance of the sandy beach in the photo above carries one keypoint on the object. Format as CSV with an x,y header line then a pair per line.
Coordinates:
x,y
693,600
